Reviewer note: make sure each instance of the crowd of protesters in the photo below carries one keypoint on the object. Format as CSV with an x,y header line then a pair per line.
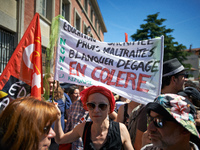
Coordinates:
x,y
91,118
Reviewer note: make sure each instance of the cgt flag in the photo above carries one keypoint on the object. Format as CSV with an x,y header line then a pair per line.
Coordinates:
x,y
22,75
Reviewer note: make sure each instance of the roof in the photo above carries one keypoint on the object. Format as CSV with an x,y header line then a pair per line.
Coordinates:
x,y
193,49
98,12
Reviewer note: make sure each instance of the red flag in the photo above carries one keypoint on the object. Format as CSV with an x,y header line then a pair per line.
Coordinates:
x,y
126,37
23,73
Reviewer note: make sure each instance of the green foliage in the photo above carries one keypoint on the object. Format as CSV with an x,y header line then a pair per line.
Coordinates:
x,y
155,28
51,45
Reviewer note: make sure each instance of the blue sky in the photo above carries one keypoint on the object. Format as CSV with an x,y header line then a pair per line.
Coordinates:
x,y
122,16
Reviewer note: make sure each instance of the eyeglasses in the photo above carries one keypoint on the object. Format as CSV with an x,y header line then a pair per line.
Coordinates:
x,y
46,130
183,74
158,122
101,106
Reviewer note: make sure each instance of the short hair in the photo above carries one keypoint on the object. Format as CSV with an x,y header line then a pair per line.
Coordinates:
x,y
22,122
166,80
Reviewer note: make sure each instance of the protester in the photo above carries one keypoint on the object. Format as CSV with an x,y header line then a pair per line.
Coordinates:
x,y
77,114
53,87
26,124
128,114
74,93
193,95
124,112
173,79
173,76
100,132
189,83
65,86
53,92
120,101
171,123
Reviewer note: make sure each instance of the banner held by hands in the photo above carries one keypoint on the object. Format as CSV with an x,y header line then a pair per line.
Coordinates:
x,y
130,69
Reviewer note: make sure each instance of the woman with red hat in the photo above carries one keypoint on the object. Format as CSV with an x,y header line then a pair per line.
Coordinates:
x,y
100,133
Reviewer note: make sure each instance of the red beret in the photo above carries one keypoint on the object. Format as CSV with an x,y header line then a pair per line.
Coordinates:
x,y
97,89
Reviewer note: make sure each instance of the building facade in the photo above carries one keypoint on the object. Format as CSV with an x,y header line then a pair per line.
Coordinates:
x,y
16,15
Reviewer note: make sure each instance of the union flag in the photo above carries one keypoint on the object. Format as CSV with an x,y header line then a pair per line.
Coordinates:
x,y
22,75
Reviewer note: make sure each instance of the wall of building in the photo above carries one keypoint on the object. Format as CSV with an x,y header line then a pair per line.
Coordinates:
x,y
16,15
8,15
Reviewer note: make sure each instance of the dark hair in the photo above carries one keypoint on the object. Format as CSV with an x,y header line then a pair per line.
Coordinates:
x,y
71,90
166,80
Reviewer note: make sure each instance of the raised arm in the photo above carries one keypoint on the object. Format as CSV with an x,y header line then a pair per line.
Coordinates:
x,y
70,136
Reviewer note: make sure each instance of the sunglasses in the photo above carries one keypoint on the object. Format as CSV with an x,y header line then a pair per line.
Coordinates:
x,y
158,122
183,74
101,106
46,130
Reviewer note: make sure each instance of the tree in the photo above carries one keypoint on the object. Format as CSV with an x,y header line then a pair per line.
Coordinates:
x,y
154,28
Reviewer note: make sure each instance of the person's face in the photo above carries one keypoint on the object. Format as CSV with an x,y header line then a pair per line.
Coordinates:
x,y
100,112
50,81
45,140
81,88
164,137
179,81
75,95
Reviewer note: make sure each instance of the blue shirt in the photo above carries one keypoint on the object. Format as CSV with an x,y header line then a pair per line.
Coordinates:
x,y
63,106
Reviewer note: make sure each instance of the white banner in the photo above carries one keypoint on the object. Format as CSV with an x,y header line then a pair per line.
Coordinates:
x,y
129,69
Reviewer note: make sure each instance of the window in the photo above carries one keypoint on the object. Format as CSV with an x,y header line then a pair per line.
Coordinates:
x,y
43,57
43,6
91,15
66,10
46,8
91,35
99,29
85,29
86,5
77,22
96,21
6,48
